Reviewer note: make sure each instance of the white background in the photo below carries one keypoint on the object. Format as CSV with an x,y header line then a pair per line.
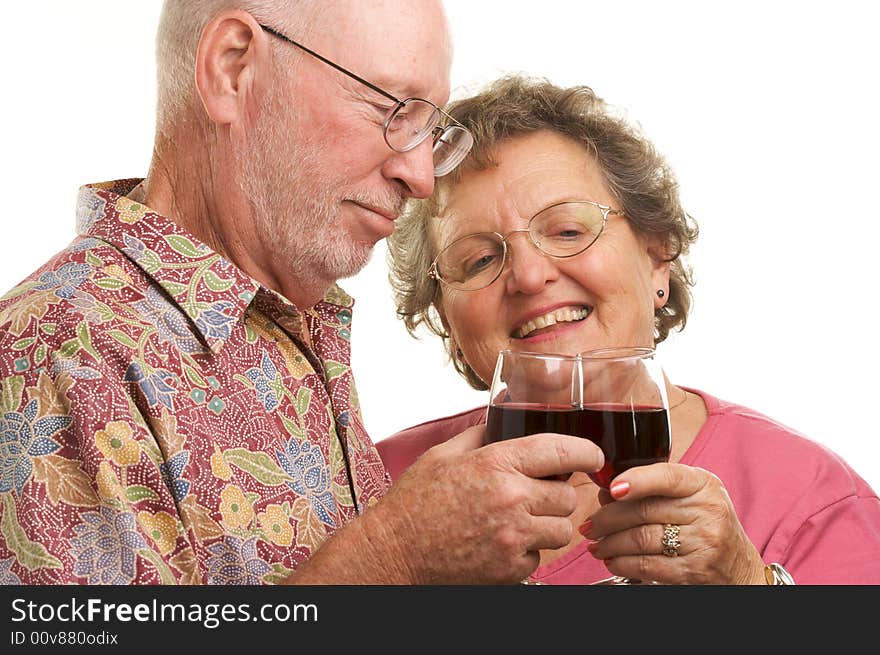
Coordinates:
x,y
767,111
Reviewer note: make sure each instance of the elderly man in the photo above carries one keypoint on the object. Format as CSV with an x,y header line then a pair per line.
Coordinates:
x,y
176,402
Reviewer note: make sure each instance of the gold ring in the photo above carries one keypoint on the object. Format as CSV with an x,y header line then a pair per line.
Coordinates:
x,y
670,541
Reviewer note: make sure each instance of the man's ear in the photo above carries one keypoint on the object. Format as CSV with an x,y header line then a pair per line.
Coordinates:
x,y
229,49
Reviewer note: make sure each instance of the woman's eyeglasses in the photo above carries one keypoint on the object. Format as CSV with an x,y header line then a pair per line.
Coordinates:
x,y
561,230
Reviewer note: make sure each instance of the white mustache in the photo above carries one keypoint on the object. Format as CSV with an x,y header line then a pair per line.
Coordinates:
x,y
392,205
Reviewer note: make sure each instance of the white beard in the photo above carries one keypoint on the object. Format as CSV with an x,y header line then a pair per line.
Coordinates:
x,y
292,196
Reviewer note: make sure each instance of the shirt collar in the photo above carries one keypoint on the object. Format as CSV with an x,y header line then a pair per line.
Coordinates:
x,y
209,289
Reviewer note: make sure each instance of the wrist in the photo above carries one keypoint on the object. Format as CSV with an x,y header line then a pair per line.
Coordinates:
x,y
386,546
749,570
359,553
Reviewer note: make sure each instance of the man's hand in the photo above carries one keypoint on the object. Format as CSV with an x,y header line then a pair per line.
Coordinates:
x,y
462,514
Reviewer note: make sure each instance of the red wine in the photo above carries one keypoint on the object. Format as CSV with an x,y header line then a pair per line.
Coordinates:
x,y
627,437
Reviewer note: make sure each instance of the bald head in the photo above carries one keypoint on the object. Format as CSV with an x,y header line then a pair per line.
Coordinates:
x,y
400,45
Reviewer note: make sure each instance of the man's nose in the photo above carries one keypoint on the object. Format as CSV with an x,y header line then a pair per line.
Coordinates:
x,y
414,169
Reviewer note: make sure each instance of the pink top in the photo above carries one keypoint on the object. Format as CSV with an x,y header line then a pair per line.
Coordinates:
x,y
800,503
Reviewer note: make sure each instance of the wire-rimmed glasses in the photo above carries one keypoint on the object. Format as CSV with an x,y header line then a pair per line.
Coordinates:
x,y
564,229
410,121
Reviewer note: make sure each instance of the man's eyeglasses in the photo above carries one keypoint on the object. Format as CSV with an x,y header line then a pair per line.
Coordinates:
x,y
410,121
564,229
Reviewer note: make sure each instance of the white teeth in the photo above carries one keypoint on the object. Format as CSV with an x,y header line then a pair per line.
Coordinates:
x,y
563,315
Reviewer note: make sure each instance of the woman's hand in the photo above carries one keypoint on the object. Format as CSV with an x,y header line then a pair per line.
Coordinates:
x,y
628,529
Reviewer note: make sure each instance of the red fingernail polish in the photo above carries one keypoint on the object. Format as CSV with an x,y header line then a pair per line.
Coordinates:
x,y
619,489
593,547
585,528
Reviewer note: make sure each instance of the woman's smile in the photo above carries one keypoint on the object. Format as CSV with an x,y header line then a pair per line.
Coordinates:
x,y
551,321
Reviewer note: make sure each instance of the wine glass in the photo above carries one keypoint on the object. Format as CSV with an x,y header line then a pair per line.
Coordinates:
x,y
533,393
625,411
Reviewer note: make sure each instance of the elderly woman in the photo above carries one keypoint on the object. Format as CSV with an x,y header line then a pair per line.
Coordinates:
x,y
752,501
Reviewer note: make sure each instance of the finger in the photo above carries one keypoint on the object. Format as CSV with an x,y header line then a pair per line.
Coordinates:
x,y
640,540
654,568
551,498
470,439
550,532
627,514
525,566
671,480
546,454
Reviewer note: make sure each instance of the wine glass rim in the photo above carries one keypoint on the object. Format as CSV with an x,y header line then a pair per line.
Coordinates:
x,y
619,352
538,355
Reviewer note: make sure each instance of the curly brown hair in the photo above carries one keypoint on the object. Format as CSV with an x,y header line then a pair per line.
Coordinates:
x,y
636,174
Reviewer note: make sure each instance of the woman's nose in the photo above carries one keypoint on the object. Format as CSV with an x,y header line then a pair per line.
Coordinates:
x,y
529,268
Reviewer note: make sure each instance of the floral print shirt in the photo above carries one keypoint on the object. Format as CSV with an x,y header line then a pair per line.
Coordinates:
x,y
166,419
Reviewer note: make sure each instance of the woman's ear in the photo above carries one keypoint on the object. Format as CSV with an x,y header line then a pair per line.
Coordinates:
x,y
443,320
454,348
660,258
230,48
452,343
